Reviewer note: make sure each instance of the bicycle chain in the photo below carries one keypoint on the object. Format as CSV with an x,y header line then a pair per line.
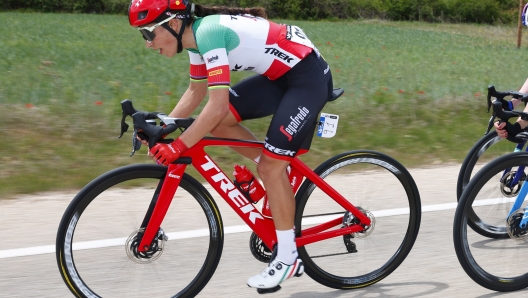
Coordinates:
x,y
331,255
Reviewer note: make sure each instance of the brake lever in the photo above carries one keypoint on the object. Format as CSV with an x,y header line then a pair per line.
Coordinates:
x,y
491,90
124,125
490,123
136,144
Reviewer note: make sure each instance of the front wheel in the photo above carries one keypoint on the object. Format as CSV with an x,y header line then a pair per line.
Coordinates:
x,y
495,263
382,189
97,239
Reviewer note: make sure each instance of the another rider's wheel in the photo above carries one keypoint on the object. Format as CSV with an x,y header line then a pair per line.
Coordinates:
x,y
493,259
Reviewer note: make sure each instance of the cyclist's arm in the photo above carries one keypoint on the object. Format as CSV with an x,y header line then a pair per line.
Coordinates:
x,y
216,109
524,89
212,40
190,100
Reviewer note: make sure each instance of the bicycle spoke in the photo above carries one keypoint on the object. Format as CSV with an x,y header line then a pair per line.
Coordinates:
x,y
369,255
104,234
489,242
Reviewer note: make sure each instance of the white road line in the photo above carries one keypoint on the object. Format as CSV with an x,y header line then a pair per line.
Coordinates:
x,y
48,249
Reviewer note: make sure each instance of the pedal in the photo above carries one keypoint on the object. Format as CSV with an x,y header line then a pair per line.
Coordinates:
x,y
270,290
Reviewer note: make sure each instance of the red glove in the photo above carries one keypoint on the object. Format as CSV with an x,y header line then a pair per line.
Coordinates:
x,y
167,153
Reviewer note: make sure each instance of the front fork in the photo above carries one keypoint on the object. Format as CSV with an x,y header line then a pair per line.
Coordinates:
x,y
160,203
522,192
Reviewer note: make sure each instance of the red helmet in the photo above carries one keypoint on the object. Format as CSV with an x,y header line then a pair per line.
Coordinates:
x,y
143,12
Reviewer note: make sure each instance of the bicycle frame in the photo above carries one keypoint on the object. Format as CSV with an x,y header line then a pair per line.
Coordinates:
x,y
522,192
260,222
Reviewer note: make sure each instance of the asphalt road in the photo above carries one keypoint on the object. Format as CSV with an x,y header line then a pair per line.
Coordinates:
x,y
28,267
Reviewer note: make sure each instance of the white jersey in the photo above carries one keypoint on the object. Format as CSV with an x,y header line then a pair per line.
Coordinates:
x,y
233,43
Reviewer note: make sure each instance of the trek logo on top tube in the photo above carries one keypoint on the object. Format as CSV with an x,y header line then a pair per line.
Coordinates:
x,y
232,192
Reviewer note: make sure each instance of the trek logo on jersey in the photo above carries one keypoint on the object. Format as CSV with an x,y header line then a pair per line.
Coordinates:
x,y
296,123
278,54
279,151
229,188
212,59
215,72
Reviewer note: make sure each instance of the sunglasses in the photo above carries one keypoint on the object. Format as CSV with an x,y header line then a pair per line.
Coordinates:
x,y
148,32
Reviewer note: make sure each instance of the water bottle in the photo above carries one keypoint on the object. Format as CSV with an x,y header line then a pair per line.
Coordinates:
x,y
248,184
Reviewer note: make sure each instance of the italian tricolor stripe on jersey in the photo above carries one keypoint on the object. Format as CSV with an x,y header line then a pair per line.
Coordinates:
x,y
197,72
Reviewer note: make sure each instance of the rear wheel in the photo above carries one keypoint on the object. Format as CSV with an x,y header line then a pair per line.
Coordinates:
x,y
99,233
384,191
487,148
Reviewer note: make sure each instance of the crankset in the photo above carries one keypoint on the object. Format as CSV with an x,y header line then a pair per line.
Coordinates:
x,y
515,231
506,187
258,249
145,257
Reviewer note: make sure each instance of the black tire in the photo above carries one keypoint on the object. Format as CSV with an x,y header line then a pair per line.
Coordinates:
x,y
475,154
109,209
391,187
494,263
487,148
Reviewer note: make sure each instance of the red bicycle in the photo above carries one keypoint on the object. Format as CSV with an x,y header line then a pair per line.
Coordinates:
x,y
153,230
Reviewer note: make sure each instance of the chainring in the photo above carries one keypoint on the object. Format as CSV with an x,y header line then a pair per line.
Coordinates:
x,y
258,249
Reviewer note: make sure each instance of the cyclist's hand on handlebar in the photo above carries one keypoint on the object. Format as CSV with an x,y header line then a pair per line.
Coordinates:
x,y
500,129
508,131
142,137
167,153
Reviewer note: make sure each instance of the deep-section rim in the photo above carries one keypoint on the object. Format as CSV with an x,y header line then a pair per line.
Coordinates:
x,y
114,177
401,253
461,220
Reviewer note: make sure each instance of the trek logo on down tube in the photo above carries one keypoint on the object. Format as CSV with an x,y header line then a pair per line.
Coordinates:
x,y
229,188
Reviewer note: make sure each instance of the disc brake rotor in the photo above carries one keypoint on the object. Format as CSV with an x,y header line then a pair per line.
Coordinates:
x,y
506,187
145,257
349,219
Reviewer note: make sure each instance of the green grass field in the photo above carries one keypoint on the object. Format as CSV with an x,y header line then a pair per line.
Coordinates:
x,y
415,91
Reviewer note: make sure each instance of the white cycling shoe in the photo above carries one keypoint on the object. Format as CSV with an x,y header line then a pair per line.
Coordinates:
x,y
268,280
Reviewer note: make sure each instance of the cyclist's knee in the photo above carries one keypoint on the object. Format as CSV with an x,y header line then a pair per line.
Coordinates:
x,y
269,168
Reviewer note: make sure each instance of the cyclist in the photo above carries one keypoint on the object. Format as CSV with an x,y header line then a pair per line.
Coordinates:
x,y
507,130
292,82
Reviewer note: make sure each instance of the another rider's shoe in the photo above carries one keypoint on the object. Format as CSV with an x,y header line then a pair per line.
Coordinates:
x,y
268,280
